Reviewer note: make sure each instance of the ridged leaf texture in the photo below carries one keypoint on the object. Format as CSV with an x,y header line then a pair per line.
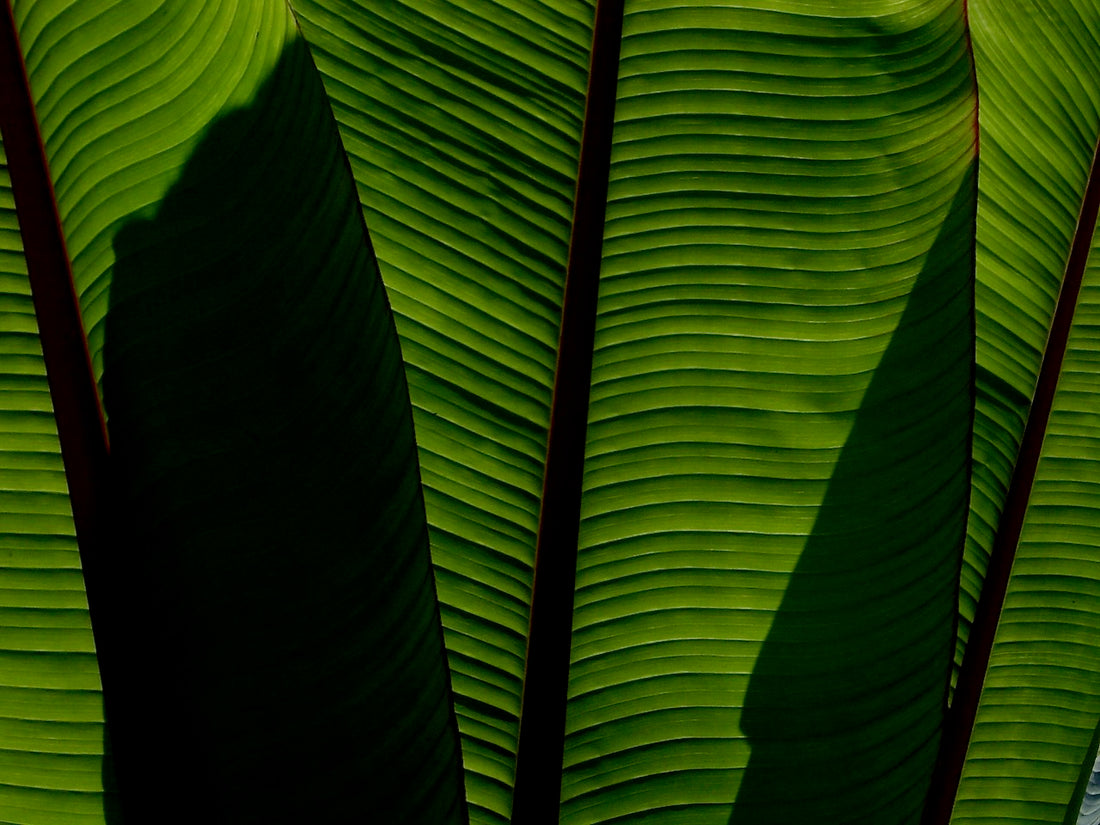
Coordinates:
x,y
790,193
462,123
809,356
1034,740
782,337
281,656
51,710
1039,121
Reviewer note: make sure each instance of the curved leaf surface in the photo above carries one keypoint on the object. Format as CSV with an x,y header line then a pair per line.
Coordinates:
x,y
759,262
777,441
271,547
51,709
462,122
1032,747
1033,744
784,308
791,193
1039,119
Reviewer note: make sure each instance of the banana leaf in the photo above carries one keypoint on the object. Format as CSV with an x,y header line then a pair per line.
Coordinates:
x,y
728,332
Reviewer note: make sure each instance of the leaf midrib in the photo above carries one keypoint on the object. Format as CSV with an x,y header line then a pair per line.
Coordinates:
x,y
975,663
79,416
541,743
74,394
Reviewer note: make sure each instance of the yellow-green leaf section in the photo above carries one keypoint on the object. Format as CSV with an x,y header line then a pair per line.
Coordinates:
x,y
1038,67
51,709
775,488
1033,739
462,122
1033,744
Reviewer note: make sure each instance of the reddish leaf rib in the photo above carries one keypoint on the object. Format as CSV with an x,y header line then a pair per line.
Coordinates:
x,y
80,424
542,717
960,722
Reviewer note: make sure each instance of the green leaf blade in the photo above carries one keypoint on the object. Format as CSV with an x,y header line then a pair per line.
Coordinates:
x,y
51,709
1034,733
785,242
1033,741
272,556
1039,121
462,123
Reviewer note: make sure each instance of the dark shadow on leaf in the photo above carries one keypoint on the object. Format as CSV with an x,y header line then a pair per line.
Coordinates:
x,y
855,666
284,658
112,809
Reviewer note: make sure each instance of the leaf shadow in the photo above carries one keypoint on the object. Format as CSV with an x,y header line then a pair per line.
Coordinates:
x,y
858,656
282,652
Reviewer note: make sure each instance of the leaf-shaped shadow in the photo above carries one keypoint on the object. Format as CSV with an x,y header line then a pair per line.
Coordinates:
x,y
285,658
845,702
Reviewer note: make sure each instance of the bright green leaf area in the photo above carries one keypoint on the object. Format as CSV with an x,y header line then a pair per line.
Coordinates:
x,y
51,709
440,95
777,458
1037,65
1033,745
782,337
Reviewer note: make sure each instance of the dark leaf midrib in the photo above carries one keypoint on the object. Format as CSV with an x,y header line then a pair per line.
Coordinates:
x,y
541,743
975,663
80,424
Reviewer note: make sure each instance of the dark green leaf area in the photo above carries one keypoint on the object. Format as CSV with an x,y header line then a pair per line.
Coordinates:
x,y
285,636
845,702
